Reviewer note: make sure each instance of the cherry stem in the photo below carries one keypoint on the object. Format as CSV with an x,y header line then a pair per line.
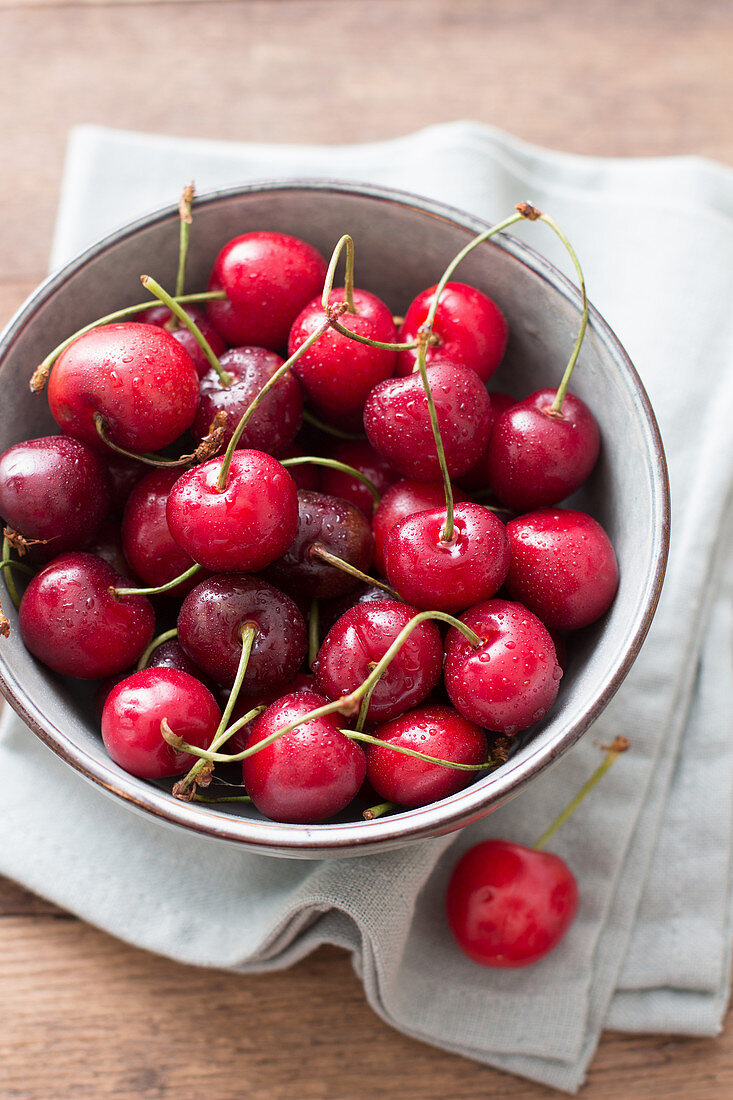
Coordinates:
x,y
378,811
184,211
446,534
329,429
563,387
41,373
369,740
149,459
190,572
147,653
221,483
213,801
385,344
318,551
347,241
167,299
364,708
8,575
333,464
313,633
618,746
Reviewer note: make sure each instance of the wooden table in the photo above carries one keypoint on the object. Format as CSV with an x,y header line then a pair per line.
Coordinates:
x,y
80,1014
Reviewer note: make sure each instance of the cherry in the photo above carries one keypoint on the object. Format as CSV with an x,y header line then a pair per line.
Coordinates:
x,y
210,626
276,420
107,544
538,456
308,774
397,421
510,682
469,327
71,619
326,526
149,547
137,377
478,476
163,318
238,740
171,654
244,527
124,473
54,489
402,499
563,567
338,373
508,905
135,709
306,476
363,457
268,278
429,572
436,731
360,638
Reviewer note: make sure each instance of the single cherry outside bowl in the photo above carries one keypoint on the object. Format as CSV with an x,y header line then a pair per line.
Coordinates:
x,y
403,243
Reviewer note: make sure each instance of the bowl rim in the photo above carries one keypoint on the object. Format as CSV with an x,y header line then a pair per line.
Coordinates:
x,y
470,803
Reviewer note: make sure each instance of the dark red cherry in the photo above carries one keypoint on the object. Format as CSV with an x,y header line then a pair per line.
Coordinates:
x,y
307,775
162,317
363,457
447,576
537,457
245,527
562,567
268,278
135,709
138,377
469,326
329,524
397,421
150,549
171,654
71,619
107,544
337,373
507,905
511,680
55,489
276,420
436,731
210,625
359,640
478,476
124,474
330,611
402,499
307,476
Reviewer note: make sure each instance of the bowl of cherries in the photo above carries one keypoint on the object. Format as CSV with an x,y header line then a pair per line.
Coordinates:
x,y
337,530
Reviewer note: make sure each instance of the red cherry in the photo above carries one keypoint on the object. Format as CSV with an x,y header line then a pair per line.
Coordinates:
x,y
402,499
306,775
268,278
537,457
364,459
71,620
140,379
511,680
150,549
436,731
360,639
447,576
397,421
478,476
469,326
242,528
337,373
135,709
124,474
507,905
562,567
245,703
161,316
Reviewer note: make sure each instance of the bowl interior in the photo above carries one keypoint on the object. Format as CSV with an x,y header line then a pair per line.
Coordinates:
x,y
402,245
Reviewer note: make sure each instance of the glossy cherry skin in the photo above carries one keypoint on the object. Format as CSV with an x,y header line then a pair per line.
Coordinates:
x,y
478,476
511,681
161,316
56,489
245,703
150,549
436,731
509,906
135,709
268,278
397,421
430,573
70,620
210,626
537,457
470,327
337,526
276,420
563,567
363,457
337,373
402,499
307,775
245,527
137,376
361,638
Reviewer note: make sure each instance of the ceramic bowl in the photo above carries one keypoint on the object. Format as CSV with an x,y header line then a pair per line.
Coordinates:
x,y
403,243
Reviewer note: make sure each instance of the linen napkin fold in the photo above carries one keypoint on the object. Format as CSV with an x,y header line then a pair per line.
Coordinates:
x,y
649,950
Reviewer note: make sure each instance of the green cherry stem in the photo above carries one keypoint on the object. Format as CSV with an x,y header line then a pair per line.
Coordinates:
x,y
313,633
618,746
329,429
206,448
214,801
446,535
333,464
41,373
184,232
386,345
190,572
318,551
167,299
379,810
147,653
364,708
369,740
347,242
